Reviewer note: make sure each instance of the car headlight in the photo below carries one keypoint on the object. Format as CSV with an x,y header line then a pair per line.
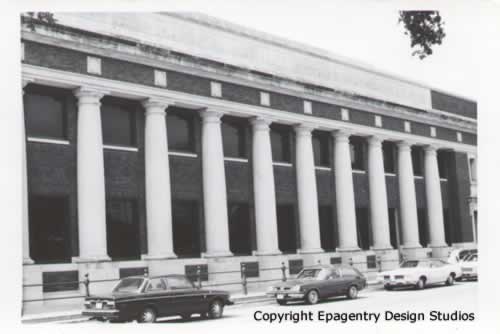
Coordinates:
x,y
295,288
270,289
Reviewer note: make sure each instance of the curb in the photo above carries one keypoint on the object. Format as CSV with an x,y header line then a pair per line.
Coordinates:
x,y
76,316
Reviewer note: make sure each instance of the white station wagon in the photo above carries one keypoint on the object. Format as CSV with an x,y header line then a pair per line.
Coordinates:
x,y
419,274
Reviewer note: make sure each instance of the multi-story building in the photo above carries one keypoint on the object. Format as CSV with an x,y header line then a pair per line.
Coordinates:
x,y
167,141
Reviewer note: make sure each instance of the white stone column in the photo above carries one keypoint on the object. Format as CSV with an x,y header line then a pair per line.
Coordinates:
x,y
344,190
90,178
158,197
24,190
214,186
264,194
407,197
379,216
306,192
434,200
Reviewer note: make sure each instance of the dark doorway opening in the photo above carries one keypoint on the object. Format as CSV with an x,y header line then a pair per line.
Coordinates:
x,y
327,228
363,227
287,231
239,228
122,229
186,228
447,227
49,229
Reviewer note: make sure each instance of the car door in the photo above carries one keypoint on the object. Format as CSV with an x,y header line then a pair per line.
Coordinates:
x,y
155,293
437,272
186,298
327,285
347,277
336,282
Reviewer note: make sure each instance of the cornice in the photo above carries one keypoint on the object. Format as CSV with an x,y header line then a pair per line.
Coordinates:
x,y
245,77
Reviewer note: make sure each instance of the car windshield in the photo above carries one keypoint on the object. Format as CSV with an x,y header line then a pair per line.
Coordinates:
x,y
309,273
129,285
471,258
409,264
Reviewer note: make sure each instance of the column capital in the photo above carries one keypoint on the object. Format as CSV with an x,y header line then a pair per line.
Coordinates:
x,y
155,106
375,140
405,144
341,134
89,95
431,149
260,123
210,115
304,129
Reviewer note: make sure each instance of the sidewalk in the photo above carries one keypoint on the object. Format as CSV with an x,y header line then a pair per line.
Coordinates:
x,y
73,313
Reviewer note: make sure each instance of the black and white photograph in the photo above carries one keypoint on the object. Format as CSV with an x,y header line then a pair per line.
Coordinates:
x,y
272,166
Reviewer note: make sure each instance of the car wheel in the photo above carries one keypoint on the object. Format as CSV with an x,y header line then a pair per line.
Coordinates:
x,y
420,284
312,297
352,293
148,315
388,288
281,302
216,309
450,280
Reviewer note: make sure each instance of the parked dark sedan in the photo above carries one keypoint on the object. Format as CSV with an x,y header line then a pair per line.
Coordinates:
x,y
318,282
144,299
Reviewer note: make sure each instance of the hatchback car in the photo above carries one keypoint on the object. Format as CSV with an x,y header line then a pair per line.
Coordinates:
x,y
319,282
145,299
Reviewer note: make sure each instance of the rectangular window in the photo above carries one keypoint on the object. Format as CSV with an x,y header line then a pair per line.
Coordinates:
x,y
239,228
393,227
45,111
122,229
287,233
180,130
363,227
186,228
49,229
118,121
327,228
422,227
357,146
281,143
234,132
473,169
389,152
321,148
442,159
417,161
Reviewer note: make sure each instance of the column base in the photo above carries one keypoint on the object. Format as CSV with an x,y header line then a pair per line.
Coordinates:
x,y
381,248
411,246
91,259
310,251
28,260
348,249
165,256
216,254
267,253
440,251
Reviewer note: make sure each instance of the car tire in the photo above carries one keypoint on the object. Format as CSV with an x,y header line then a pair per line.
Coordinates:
x,y
312,297
450,280
420,284
388,288
147,315
352,292
215,309
281,302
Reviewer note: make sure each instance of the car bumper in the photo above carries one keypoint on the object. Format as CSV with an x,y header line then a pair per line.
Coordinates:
x,y
108,314
286,296
469,275
397,283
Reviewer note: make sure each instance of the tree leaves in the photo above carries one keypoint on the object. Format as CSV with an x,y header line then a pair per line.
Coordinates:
x,y
425,29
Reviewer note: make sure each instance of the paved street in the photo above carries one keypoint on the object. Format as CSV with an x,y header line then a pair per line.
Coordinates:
x,y
460,297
